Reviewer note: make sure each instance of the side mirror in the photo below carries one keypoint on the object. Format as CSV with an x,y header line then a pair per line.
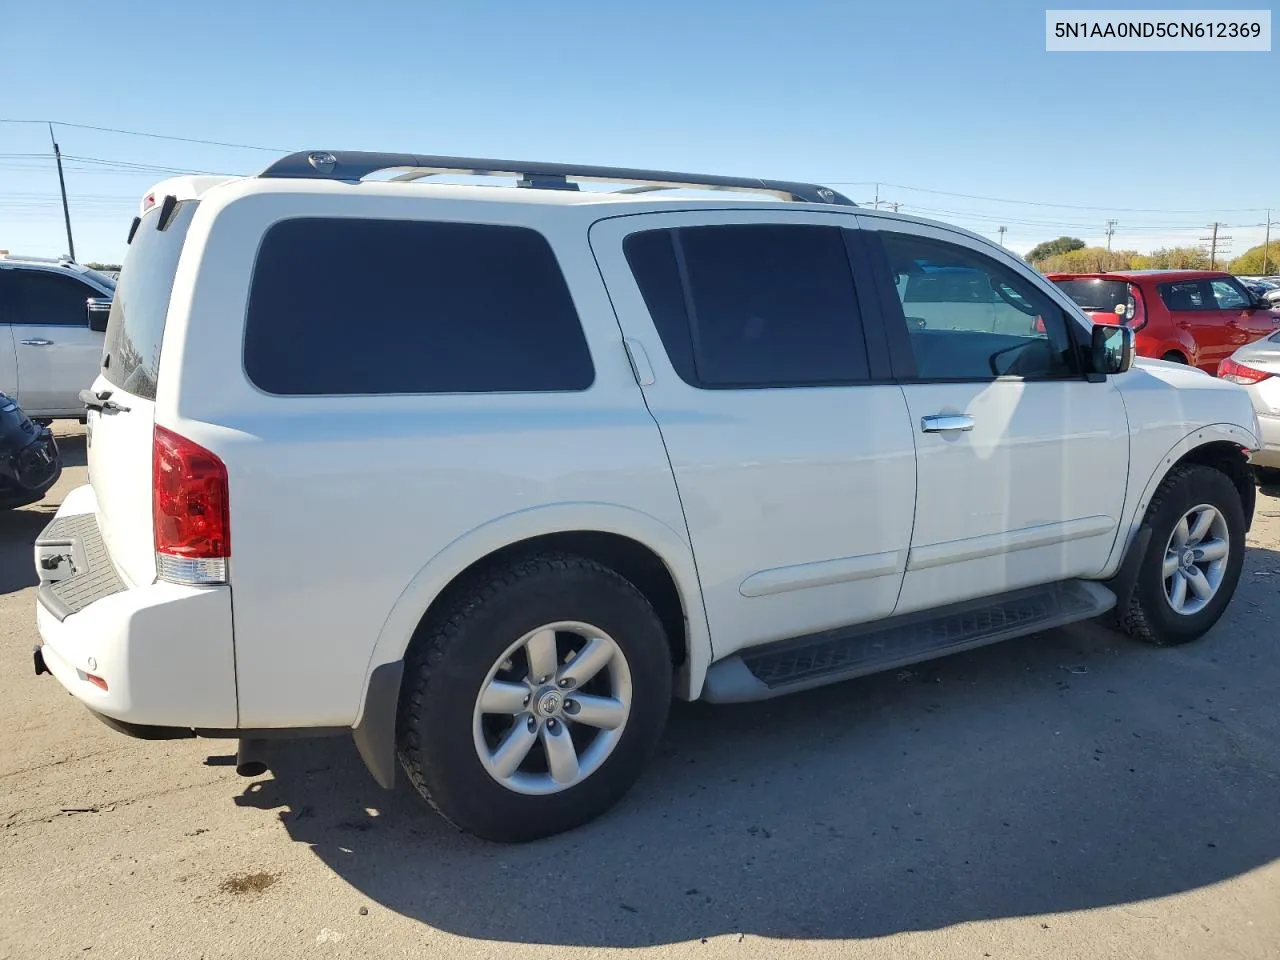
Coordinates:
x,y
98,309
1112,349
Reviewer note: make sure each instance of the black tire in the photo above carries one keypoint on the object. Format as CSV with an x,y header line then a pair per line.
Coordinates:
x,y
1149,615
1173,356
451,659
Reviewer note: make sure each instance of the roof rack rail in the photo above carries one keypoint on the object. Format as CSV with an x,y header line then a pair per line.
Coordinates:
x,y
355,165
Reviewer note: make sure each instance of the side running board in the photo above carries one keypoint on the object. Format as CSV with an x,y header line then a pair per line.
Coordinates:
x,y
789,665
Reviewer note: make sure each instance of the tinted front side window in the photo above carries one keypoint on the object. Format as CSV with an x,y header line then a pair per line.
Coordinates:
x,y
358,306
756,305
135,329
1228,296
971,318
43,297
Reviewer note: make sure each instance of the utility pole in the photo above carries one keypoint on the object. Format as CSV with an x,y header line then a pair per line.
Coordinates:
x,y
1001,230
876,205
1266,244
1215,241
62,184
1111,230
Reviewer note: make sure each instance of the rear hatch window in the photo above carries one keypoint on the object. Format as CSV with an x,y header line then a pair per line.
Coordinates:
x,y
120,441
1095,295
135,329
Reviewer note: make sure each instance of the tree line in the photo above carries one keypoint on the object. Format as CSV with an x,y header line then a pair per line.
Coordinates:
x,y
1071,255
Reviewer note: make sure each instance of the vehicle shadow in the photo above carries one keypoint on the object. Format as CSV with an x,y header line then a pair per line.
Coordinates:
x,y
72,448
1071,770
18,531
19,528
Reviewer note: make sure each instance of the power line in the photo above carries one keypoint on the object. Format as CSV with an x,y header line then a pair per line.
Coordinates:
x,y
833,182
151,136
1048,224
1042,203
140,167
128,165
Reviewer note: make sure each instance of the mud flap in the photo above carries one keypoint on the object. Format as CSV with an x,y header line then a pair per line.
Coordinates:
x,y
1126,578
375,735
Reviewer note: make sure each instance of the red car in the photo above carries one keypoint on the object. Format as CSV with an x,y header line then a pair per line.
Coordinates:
x,y
1190,316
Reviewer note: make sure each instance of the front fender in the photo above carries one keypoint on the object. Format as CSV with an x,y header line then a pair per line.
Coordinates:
x,y
1213,433
670,546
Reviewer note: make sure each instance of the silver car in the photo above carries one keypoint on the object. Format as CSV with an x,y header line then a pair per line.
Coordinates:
x,y
1256,366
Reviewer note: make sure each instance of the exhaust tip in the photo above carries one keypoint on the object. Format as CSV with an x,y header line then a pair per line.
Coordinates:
x,y
250,761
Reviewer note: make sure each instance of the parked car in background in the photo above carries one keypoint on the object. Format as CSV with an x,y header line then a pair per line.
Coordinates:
x,y
29,460
1188,316
1265,289
1256,366
53,314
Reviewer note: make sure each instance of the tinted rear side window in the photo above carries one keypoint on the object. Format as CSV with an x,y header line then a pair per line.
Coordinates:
x,y
1187,296
50,299
135,329
359,306
753,305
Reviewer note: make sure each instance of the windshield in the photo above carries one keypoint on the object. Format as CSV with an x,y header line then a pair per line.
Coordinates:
x,y
135,329
1094,295
103,279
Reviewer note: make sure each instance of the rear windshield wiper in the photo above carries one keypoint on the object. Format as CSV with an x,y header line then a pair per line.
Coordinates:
x,y
101,402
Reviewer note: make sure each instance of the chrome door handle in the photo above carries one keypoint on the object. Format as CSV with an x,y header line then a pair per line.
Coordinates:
x,y
946,422
38,342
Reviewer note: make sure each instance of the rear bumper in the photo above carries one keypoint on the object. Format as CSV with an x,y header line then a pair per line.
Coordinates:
x,y
163,650
1269,434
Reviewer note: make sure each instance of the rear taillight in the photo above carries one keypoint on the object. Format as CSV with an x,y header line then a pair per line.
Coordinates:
x,y
1137,312
190,511
1239,373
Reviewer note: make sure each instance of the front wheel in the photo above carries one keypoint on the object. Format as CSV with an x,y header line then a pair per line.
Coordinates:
x,y
1193,559
535,701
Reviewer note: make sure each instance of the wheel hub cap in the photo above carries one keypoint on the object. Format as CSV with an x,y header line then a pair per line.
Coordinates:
x,y
552,708
549,703
1195,560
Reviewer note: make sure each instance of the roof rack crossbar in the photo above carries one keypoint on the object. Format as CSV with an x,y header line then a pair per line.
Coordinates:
x,y
355,165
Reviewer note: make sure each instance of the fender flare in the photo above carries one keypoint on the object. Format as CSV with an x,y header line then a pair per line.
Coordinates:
x,y
1201,436
374,729
1188,347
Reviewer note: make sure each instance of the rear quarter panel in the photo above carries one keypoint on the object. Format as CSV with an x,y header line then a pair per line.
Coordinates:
x,y
339,505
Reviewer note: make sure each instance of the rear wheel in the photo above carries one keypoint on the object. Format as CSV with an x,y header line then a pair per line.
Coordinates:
x,y
1173,356
535,701
1193,559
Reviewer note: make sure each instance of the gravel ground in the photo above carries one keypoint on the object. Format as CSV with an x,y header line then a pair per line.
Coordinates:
x,y
1069,795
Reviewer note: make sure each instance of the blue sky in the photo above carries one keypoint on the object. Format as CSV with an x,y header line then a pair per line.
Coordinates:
x,y
928,95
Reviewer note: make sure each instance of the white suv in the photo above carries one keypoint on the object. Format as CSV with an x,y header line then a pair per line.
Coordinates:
x,y
485,475
52,317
